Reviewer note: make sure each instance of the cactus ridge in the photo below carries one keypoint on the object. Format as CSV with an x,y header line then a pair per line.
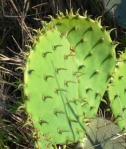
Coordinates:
x,y
69,58
117,92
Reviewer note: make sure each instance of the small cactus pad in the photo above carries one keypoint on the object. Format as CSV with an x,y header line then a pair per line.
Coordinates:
x,y
66,74
102,134
117,93
116,8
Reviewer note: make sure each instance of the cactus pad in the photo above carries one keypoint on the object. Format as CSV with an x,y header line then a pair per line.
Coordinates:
x,y
116,8
95,54
117,93
66,74
51,85
102,134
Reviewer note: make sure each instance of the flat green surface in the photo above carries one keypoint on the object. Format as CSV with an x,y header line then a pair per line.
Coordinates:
x,y
66,75
37,87
117,95
96,41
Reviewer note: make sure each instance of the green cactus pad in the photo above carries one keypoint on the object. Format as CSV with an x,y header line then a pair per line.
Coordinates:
x,y
95,54
117,93
50,85
66,74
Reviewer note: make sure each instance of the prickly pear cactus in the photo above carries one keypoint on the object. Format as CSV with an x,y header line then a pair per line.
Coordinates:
x,y
117,9
51,79
117,92
102,134
66,74
94,51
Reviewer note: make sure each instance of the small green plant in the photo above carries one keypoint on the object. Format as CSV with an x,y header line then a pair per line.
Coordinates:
x,y
62,79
